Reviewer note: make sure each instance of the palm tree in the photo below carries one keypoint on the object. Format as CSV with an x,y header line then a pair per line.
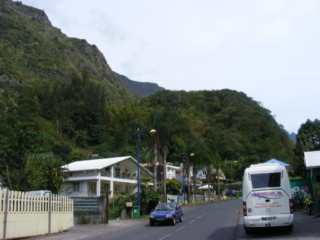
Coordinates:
x,y
197,161
169,126
218,144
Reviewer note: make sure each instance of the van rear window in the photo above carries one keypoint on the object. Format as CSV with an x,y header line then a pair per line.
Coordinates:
x,y
264,180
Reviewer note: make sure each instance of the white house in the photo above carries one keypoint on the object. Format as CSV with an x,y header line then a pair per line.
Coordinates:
x,y
172,171
95,177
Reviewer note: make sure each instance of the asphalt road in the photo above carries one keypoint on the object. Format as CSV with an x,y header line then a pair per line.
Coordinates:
x,y
220,220
209,221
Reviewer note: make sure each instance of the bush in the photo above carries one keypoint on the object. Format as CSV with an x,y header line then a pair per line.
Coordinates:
x,y
116,207
84,220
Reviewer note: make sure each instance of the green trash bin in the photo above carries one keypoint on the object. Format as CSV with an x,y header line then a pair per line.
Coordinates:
x,y
136,212
237,194
171,200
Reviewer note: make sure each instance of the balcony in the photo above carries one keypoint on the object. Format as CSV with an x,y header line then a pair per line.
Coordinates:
x,y
123,175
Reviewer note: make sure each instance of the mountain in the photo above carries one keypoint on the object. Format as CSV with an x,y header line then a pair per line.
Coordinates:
x,y
33,52
140,89
291,136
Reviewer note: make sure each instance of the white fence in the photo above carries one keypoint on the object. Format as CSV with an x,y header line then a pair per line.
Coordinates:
x,y
24,215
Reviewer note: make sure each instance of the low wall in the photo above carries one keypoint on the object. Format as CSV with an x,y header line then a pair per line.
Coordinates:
x,y
23,214
91,208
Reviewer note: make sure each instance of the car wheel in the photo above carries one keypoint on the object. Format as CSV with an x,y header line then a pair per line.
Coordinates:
x,y
181,218
151,223
174,221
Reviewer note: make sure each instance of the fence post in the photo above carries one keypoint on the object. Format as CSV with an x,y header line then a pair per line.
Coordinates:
x,y
6,216
50,212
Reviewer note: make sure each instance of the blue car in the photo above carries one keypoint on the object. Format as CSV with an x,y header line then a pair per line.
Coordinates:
x,y
166,212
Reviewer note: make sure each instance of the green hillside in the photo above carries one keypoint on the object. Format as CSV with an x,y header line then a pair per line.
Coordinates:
x,y
32,52
250,131
60,102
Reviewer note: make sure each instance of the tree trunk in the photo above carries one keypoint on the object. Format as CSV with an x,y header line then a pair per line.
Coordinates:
x,y
208,176
155,166
194,181
164,161
218,183
188,178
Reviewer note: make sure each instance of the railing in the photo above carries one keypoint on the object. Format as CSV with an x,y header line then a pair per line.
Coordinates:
x,y
105,174
86,204
130,176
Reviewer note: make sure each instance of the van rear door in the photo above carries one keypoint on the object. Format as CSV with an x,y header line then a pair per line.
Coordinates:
x,y
267,198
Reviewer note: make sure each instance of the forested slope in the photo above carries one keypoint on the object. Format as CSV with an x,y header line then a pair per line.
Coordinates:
x,y
255,134
60,101
32,51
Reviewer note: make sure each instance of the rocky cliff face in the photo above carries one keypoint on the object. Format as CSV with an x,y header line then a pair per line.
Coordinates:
x,y
140,89
33,51
27,11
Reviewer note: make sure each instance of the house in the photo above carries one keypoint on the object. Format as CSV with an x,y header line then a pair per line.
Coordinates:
x,y
172,171
93,178
312,163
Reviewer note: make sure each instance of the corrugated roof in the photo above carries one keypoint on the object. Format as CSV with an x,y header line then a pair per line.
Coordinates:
x,y
97,164
273,160
312,159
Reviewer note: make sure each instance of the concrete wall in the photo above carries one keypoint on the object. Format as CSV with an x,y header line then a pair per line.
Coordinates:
x,y
96,216
24,215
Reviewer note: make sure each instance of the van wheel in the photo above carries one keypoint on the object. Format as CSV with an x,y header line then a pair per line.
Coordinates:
x,y
248,231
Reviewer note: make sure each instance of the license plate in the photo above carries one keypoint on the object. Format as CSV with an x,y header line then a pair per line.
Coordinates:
x,y
268,219
160,219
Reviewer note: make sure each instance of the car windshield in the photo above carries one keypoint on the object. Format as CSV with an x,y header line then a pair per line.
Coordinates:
x,y
165,206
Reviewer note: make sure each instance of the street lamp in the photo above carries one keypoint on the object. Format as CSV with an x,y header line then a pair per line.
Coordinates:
x,y
183,188
151,131
231,194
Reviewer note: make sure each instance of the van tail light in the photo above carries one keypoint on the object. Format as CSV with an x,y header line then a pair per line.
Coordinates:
x,y
291,205
244,208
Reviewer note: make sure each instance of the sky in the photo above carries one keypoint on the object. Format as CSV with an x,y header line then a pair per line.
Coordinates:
x,y
268,49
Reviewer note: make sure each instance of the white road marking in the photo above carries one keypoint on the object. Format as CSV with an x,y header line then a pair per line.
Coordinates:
x,y
180,228
165,236
199,217
191,221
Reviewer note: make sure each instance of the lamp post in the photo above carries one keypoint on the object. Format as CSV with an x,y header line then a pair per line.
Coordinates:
x,y
152,131
183,188
231,194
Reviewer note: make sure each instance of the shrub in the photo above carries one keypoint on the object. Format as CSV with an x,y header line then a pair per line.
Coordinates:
x,y
84,220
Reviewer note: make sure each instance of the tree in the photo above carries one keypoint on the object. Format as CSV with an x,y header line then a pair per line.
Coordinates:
x,y
197,161
26,140
219,145
45,172
173,186
168,125
308,139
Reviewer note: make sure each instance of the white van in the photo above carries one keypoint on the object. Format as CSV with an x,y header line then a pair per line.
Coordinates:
x,y
267,199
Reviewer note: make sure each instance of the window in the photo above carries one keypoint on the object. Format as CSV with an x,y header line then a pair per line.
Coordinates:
x,y
107,169
93,187
117,170
265,180
76,187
